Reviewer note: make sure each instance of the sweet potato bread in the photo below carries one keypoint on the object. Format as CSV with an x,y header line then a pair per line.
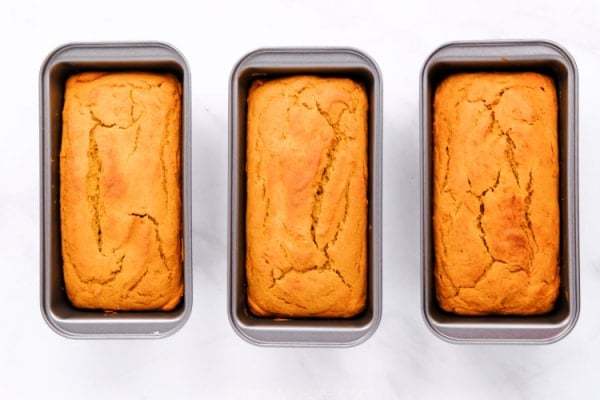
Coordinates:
x,y
495,193
306,215
120,198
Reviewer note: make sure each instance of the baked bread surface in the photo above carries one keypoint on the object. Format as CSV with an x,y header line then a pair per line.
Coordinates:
x,y
495,194
306,215
120,198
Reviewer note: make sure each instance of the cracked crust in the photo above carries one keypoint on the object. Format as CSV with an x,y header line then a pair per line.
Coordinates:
x,y
120,200
306,197
495,194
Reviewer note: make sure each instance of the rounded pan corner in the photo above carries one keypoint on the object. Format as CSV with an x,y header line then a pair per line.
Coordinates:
x,y
175,325
575,303
52,323
245,59
439,333
559,50
370,331
171,330
48,60
425,67
243,332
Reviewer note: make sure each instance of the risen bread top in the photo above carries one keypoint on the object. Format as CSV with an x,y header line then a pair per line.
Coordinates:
x,y
306,197
120,199
495,193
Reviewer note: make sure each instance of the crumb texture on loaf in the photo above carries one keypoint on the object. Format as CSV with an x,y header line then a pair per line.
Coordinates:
x,y
120,199
306,209
495,193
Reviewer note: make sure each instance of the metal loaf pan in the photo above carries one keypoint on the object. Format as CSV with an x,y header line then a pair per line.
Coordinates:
x,y
267,63
55,306
541,56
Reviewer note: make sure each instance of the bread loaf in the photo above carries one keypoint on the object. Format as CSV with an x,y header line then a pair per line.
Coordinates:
x,y
495,193
120,197
306,215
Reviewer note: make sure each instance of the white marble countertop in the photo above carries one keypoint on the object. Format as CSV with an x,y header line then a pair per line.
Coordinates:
x,y
206,359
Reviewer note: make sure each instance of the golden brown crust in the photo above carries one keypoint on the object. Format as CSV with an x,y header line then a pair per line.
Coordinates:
x,y
496,214
120,200
306,197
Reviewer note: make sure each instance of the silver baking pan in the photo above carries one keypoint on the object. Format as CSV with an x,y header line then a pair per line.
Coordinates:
x,y
267,63
540,56
56,309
